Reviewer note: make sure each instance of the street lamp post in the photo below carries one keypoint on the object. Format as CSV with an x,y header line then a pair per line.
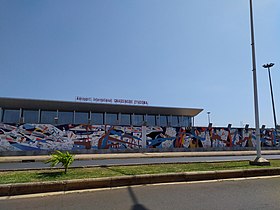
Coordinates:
x,y
268,66
208,113
258,160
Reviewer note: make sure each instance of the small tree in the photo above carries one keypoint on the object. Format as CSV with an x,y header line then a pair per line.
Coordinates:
x,y
66,159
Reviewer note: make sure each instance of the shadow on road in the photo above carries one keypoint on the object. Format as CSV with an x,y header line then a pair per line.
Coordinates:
x,y
136,205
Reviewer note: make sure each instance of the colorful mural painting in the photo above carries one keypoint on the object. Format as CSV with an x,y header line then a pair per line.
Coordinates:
x,y
78,137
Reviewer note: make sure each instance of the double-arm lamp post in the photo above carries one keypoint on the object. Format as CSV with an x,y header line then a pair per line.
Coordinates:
x,y
268,66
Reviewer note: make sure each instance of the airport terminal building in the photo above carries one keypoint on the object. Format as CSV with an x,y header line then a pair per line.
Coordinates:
x,y
42,126
27,124
61,112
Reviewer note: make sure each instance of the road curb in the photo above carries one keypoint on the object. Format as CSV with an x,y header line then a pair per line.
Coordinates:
x,y
42,158
109,182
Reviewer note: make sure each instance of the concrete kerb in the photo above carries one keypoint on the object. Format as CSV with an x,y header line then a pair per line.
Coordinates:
x,y
7,159
109,182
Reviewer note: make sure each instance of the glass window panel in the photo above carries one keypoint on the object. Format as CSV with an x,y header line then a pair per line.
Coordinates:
x,y
173,121
137,119
181,121
11,116
48,117
125,119
157,120
30,116
65,117
184,121
190,121
151,120
162,120
169,120
81,117
111,119
97,118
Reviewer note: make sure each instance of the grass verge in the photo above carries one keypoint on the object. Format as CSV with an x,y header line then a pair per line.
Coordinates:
x,y
110,171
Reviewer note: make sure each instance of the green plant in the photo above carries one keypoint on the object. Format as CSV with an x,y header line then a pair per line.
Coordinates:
x,y
65,158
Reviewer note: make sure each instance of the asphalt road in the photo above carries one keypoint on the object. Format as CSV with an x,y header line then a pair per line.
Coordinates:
x,y
132,161
226,194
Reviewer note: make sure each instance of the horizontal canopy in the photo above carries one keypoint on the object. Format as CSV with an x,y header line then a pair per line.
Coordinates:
x,y
13,103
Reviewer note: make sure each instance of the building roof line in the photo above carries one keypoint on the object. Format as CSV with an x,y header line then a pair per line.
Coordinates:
x,y
17,103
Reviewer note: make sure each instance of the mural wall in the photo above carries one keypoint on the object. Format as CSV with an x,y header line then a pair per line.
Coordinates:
x,y
77,137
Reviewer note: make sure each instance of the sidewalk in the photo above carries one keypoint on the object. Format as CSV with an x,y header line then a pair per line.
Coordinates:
x,y
40,158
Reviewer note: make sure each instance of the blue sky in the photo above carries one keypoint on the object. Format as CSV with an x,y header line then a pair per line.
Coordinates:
x,y
175,53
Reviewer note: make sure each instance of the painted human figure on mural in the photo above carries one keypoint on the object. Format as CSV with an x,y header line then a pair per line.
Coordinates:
x,y
206,142
170,132
268,137
196,142
245,137
203,137
224,137
187,140
252,140
193,143
220,137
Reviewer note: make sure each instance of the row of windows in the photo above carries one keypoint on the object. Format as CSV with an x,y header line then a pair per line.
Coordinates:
x,y
61,117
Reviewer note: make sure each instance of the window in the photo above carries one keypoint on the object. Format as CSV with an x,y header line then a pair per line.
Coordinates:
x,y
81,117
173,121
65,117
111,119
125,119
97,118
162,120
151,120
184,121
30,116
49,117
11,116
137,119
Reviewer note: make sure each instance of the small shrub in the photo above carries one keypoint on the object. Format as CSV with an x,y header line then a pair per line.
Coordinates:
x,y
65,158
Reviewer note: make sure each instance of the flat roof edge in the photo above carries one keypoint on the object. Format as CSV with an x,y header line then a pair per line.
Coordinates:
x,y
16,103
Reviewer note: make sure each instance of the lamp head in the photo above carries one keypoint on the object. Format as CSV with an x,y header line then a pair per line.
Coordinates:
x,y
268,65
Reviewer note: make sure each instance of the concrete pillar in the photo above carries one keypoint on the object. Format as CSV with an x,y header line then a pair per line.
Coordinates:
x,y
144,136
89,118
39,116
1,114
21,120
105,118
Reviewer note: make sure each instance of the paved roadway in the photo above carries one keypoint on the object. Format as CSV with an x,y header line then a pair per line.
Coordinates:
x,y
257,194
132,161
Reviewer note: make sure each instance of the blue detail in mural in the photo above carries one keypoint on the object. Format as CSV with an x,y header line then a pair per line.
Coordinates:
x,y
80,137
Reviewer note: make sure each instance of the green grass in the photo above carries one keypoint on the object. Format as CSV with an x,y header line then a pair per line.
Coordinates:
x,y
98,172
